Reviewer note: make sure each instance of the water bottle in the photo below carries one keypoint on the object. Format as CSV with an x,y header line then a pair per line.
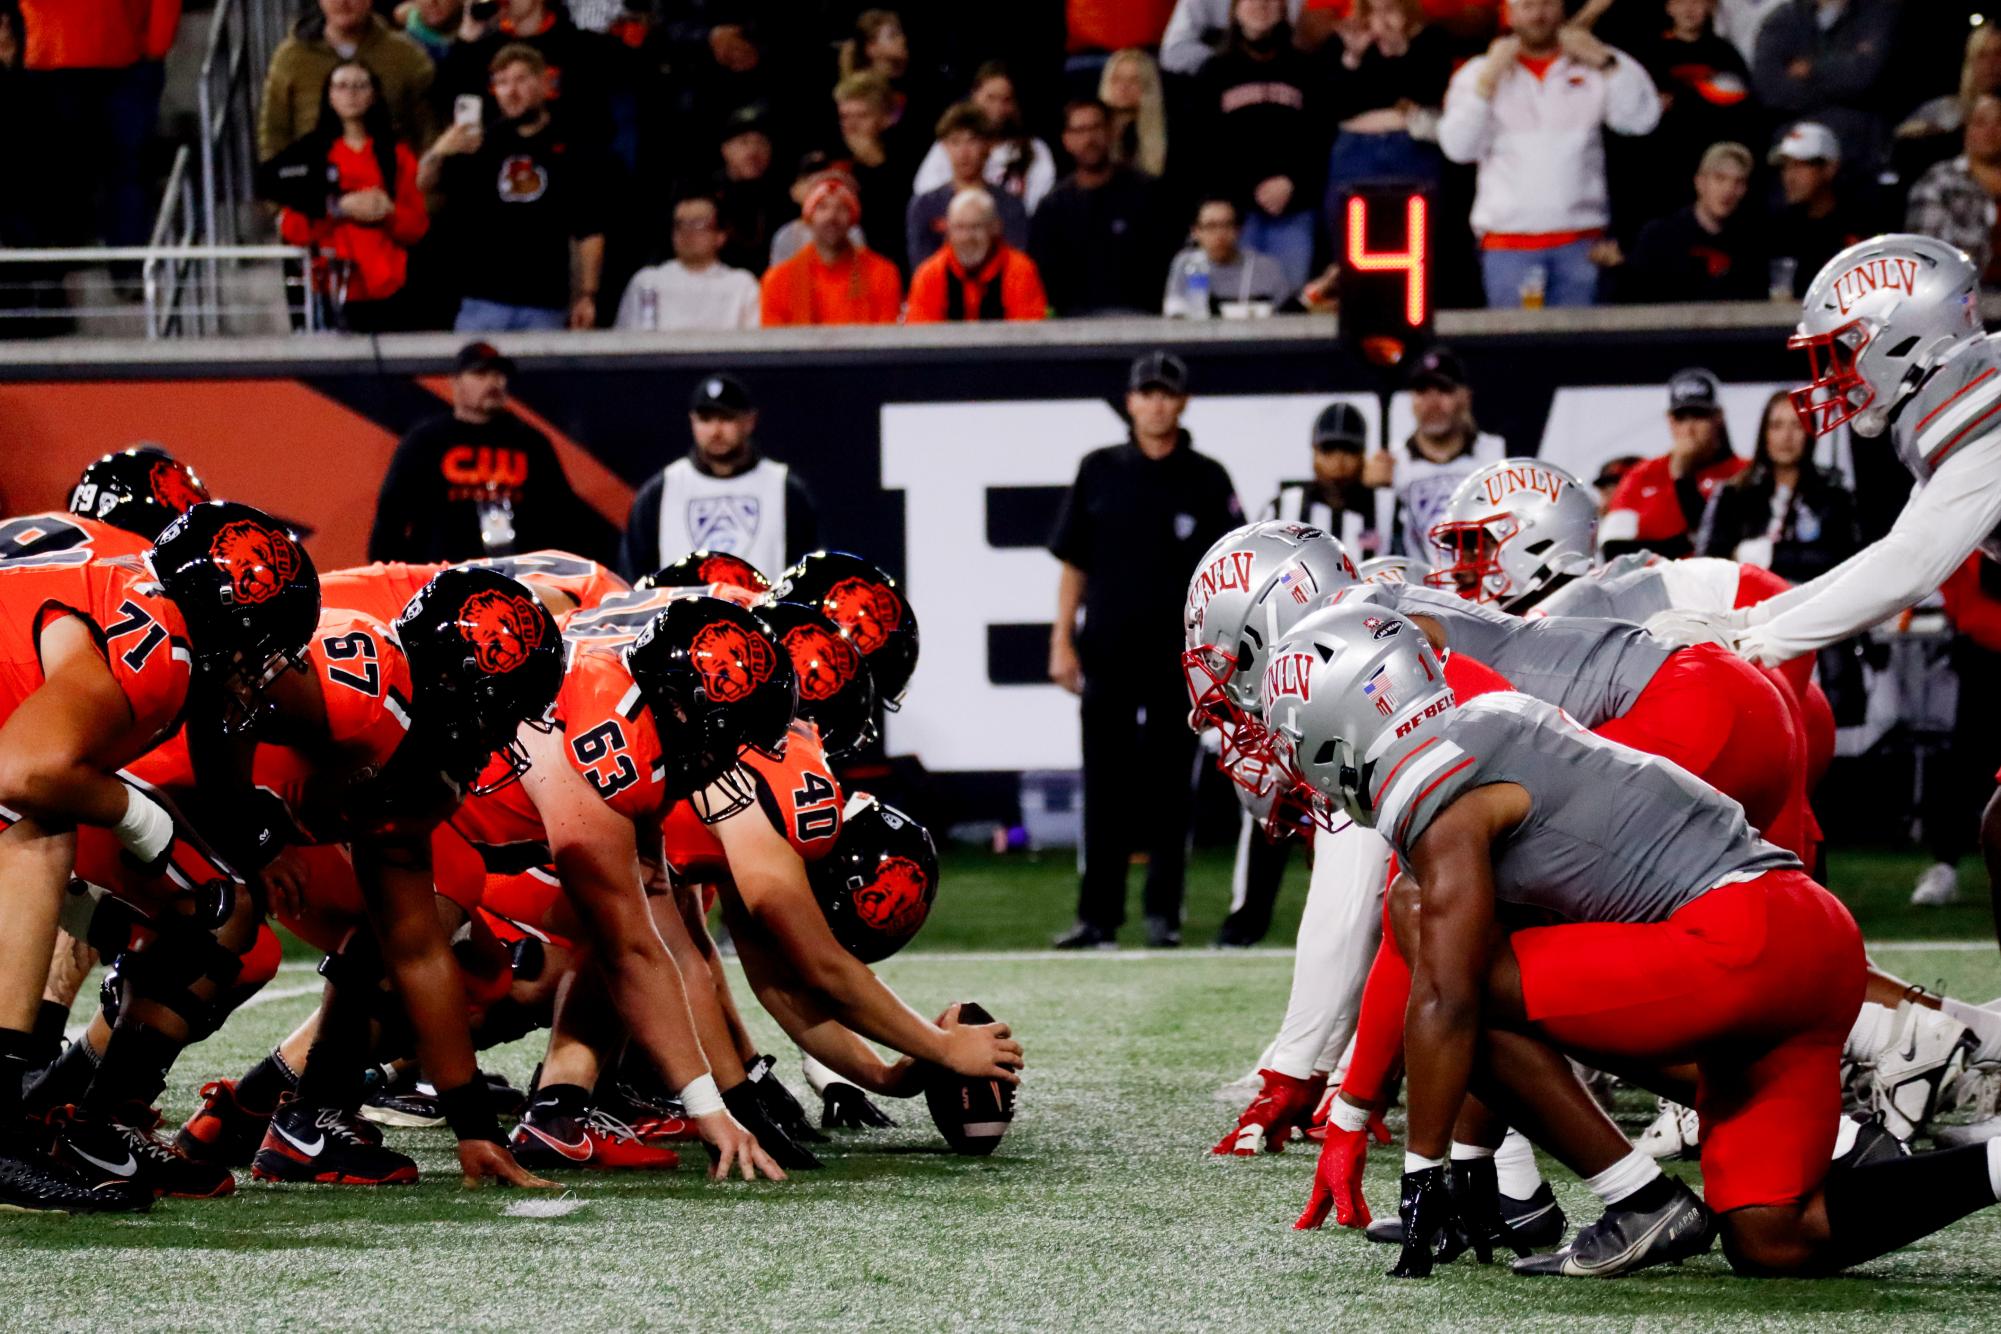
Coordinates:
x,y
1195,287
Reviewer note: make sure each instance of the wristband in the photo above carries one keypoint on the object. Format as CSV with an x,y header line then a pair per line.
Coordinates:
x,y
1417,1162
468,1111
699,1097
1345,1115
145,830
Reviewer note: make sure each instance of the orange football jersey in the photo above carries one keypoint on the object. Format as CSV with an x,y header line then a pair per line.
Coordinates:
x,y
618,619
798,794
144,639
33,535
386,587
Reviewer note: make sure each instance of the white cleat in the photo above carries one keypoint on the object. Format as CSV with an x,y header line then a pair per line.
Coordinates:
x,y
1914,1072
1675,1133
1239,1092
1939,885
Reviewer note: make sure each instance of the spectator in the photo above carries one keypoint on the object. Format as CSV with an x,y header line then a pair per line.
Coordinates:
x,y
1530,113
432,24
881,46
1661,501
976,274
1385,97
343,30
1707,250
878,158
1470,24
1097,238
722,495
1958,779
1814,223
793,237
1610,473
967,139
95,75
1264,146
1019,165
1739,21
1414,482
580,73
1955,201
523,197
1235,280
832,280
1136,520
1821,60
1706,99
720,67
1130,89
475,481
694,290
753,204
1197,30
1932,132
351,197
1782,513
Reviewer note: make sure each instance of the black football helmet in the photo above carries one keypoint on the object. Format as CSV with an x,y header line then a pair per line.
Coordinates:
x,y
141,489
865,602
718,682
485,657
836,692
698,569
249,595
877,885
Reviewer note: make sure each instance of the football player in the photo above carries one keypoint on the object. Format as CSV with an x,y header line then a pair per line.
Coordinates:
x,y
561,581
99,659
1686,952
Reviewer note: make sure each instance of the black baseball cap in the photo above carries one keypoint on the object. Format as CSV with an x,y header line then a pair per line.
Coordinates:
x,y
1437,368
1695,393
1340,426
482,356
1612,470
1159,370
722,394
751,119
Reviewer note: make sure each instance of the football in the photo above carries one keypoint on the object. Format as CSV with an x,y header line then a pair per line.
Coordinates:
x,y
972,1114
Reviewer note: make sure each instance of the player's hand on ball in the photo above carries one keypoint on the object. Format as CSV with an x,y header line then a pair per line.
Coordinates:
x,y
981,1051
731,1147
482,1159
1283,1105
1337,1181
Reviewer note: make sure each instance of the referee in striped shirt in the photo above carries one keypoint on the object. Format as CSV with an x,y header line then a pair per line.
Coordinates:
x,y
1336,502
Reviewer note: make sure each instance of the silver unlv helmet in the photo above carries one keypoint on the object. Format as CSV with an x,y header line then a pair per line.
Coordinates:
x,y
1252,587
1392,570
1511,530
1346,695
1877,317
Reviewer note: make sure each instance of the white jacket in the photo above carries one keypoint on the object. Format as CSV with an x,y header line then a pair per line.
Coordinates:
x,y
1542,162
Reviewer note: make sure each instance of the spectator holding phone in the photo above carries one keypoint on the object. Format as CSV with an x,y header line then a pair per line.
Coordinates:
x,y
350,195
523,196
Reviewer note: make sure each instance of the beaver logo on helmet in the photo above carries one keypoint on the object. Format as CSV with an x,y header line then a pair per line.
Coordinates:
x,y
732,661
259,561
503,629
866,609
894,901
822,661
172,487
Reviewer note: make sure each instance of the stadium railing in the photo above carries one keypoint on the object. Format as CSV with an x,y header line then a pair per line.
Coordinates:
x,y
242,35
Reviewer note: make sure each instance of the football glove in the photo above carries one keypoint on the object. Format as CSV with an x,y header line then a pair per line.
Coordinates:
x,y
1337,1179
1282,1106
844,1106
744,1104
779,1104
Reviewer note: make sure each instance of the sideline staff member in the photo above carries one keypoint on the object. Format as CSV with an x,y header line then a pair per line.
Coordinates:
x,y
1138,517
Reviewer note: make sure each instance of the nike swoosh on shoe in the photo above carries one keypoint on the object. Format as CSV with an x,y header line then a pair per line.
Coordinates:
x,y
310,1150
1581,1269
125,1169
580,1152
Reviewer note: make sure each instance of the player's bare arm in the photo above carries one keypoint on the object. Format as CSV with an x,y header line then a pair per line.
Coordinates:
x,y
57,747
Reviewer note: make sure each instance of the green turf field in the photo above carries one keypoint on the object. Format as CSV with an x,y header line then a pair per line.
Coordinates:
x,y
1102,1210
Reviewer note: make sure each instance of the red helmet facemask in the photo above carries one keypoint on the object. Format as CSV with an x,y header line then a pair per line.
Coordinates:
x,y
1829,397
1472,552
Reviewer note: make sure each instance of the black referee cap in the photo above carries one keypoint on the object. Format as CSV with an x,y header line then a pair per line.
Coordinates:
x,y
1340,426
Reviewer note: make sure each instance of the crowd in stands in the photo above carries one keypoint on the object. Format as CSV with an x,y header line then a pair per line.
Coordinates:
x,y
715,164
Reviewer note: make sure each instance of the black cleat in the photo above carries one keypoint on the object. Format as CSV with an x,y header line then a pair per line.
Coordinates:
x,y
128,1151
327,1146
34,1183
1086,936
1533,1224
401,1102
1162,934
508,1101
1623,1240
222,1130
1873,1144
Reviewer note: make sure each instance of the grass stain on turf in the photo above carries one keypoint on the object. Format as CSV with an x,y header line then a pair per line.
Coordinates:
x,y
1102,1209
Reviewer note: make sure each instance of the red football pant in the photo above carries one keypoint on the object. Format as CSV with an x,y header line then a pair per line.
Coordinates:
x,y
1757,983
1724,721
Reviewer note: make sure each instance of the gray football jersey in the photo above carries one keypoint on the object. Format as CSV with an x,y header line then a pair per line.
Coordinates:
x,y
1957,407
1613,834
1637,586
1592,669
